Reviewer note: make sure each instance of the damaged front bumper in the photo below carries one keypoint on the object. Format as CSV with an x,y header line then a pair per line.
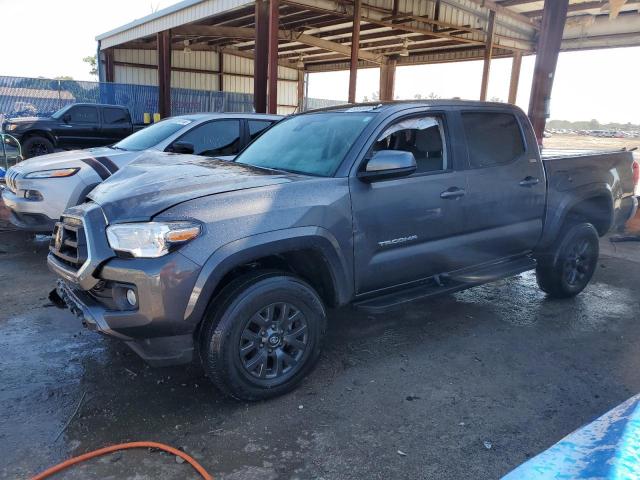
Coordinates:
x,y
156,351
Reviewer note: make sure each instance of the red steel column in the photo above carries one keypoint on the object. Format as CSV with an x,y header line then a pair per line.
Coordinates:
x,y
260,65
515,77
554,18
355,48
274,25
109,70
488,50
164,73
387,79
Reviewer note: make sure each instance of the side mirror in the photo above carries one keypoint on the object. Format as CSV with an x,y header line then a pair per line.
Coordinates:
x,y
182,147
387,164
66,117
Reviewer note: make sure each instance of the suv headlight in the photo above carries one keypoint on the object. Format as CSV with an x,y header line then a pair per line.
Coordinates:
x,y
151,239
57,173
10,127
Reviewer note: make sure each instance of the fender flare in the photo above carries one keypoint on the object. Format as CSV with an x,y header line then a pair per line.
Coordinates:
x,y
246,249
41,132
556,219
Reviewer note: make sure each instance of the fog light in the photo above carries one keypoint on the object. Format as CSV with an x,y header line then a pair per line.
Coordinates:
x,y
32,195
132,298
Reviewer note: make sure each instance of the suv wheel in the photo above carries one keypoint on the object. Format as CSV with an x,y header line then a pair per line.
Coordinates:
x,y
262,335
566,269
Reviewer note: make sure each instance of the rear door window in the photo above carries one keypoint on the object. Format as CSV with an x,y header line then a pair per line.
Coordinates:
x,y
220,137
113,116
84,114
256,127
493,138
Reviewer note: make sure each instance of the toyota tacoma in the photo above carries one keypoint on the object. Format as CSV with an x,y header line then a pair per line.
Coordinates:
x,y
235,263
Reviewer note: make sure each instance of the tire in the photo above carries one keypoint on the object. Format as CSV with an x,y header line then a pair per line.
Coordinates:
x,y
566,269
241,351
35,146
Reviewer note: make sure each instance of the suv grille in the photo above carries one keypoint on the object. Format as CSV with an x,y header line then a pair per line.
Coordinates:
x,y
68,242
10,179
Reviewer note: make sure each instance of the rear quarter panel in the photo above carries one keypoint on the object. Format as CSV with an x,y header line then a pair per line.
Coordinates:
x,y
573,179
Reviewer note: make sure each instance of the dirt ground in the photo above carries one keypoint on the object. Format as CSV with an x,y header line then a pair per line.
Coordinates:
x,y
499,363
590,143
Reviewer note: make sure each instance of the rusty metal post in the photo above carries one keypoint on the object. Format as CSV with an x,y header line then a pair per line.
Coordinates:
x,y
554,18
109,68
488,50
260,64
301,79
387,79
355,47
274,22
515,77
164,73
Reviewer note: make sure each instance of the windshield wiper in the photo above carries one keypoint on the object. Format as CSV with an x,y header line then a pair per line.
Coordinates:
x,y
118,148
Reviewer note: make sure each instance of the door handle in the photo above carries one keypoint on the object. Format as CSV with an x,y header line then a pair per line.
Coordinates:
x,y
453,193
529,182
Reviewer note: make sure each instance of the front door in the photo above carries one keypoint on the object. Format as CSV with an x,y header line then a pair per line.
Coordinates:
x,y
80,127
403,228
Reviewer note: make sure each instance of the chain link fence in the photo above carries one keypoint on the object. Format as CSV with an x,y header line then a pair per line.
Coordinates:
x,y
40,97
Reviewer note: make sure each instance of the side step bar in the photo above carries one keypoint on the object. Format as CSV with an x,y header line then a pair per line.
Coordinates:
x,y
445,284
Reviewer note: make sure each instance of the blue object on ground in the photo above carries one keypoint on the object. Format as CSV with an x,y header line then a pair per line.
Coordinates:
x,y
607,448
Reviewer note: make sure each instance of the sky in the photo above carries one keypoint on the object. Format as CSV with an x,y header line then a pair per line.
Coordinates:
x,y
600,84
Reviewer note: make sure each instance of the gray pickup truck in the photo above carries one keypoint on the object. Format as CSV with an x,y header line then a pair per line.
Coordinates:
x,y
234,263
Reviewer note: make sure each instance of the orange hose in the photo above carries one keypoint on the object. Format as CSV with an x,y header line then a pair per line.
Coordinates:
x,y
123,446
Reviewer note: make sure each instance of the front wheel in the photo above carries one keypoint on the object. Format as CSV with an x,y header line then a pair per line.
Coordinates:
x,y
35,146
262,335
566,269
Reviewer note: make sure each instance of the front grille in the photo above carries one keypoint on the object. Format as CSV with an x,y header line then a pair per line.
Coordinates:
x,y
68,242
10,179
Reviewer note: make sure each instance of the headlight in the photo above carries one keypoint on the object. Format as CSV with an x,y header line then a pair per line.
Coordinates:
x,y
10,127
58,173
150,240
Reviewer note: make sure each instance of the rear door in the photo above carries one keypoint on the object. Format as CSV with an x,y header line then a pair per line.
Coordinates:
x,y
81,129
116,124
405,229
506,187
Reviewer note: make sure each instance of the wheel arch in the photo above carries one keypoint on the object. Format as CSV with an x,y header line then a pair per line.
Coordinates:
x,y
309,252
39,133
593,204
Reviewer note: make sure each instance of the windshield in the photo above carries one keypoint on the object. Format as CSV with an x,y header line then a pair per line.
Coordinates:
x,y
152,135
313,144
60,112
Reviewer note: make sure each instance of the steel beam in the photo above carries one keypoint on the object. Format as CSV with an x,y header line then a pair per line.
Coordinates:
x,y
164,73
301,79
272,88
355,47
260,60
488,50
515,77
549,42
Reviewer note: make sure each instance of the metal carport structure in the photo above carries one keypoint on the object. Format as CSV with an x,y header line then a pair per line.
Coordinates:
x,y
267,47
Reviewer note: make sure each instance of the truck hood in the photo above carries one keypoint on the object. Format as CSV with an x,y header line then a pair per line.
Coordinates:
x,y
157,181
27,119
74,158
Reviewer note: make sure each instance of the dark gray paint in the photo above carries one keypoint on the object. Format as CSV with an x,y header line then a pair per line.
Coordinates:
x,y
248,213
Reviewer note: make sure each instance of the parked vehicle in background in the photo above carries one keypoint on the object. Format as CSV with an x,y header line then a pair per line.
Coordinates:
x,y
79,125
40,189
369,205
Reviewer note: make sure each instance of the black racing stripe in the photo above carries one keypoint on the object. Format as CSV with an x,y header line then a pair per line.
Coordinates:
x,y
97,167
106,161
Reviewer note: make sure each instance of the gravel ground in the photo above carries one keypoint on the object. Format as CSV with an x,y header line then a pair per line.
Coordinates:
x,y
416,394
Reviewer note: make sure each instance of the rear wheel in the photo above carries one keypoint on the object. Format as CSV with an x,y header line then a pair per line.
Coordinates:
x,y
262,335
35,146
566,269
